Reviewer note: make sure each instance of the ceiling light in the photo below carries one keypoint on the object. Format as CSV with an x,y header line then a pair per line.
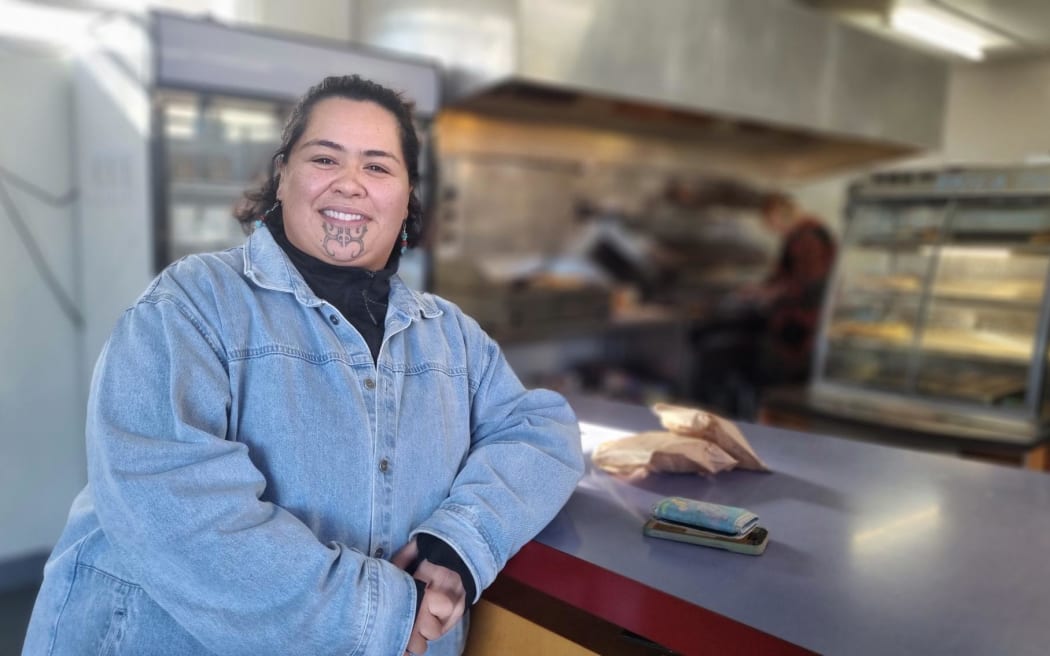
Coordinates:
x,y
939,30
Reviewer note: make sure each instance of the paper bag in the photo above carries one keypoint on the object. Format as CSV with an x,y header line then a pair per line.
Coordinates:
x,y
660,451
707,426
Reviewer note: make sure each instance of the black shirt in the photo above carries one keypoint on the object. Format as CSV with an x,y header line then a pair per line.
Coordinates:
x,y
360,295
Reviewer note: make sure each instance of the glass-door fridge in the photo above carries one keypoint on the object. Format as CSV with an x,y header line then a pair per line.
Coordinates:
x,y
220,98
211,148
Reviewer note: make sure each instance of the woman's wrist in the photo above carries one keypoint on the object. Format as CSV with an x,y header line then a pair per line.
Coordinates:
x,y
439,552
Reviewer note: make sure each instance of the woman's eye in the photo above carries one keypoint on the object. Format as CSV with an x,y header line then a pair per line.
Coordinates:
x,y
324,160
377,168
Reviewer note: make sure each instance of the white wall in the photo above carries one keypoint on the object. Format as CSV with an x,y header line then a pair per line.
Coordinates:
x,y
42,382
825,199
327,19
64,125
997,114
111,124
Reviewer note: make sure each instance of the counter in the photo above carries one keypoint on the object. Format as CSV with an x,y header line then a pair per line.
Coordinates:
x,y
873,550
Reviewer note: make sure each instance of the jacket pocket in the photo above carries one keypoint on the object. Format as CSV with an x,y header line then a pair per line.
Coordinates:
x,y
108,616
95,615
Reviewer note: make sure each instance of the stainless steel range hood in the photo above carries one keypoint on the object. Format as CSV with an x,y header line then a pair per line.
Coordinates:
x,y
793,91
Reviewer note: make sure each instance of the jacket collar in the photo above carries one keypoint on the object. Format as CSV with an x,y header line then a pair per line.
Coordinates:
x,y
267,265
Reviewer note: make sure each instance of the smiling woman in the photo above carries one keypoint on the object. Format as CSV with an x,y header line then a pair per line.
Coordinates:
x,y
346,170
289,450
344,188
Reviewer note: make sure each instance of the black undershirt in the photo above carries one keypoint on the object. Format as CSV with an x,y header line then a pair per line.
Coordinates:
x,y
361,296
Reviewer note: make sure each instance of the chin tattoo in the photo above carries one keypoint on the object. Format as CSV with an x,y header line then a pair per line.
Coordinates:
x,y
351,237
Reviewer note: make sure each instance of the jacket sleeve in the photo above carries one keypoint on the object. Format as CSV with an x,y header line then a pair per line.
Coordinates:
x,y
524,462
182,506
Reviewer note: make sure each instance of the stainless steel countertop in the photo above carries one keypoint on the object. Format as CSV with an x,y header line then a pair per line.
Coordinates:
x,y
873,550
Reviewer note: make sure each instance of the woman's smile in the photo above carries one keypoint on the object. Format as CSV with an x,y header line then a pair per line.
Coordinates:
x,y
343,217
344,188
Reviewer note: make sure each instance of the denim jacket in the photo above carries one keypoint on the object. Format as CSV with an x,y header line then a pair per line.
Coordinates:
x,y
251,470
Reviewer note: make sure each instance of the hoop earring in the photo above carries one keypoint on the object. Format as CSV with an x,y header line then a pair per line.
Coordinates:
x,y
258,223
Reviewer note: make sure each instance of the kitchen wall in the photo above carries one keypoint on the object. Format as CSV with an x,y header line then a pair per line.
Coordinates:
x,y
516,193
511,186
330,19
999,113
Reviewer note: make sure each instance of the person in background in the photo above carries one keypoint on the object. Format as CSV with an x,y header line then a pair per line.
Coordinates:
x,y
291,452
764,333
792,295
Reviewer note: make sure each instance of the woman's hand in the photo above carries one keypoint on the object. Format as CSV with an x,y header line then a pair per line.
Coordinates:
x,y
440,611
444,600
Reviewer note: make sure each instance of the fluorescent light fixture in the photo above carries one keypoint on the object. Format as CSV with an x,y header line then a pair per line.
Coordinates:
x,y
939,31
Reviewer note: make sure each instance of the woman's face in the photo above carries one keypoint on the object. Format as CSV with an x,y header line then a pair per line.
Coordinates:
x,y
779,217
344,187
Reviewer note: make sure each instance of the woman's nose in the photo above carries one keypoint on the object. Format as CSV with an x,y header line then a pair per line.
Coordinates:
x,y
349,183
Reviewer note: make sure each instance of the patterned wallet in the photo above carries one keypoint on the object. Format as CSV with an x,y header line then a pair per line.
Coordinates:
x,y
704,515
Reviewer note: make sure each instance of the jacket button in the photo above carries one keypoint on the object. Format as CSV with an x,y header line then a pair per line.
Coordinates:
x,y
369,383
379,552
334,319
384,465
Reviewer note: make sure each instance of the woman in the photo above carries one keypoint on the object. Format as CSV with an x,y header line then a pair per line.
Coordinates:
x,y
763,334
792,295
267,426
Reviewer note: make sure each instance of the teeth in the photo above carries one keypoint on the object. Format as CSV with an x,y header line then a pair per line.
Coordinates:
x,y
342,216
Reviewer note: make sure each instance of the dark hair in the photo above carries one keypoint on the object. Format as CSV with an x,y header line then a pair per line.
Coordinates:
x,y
258,202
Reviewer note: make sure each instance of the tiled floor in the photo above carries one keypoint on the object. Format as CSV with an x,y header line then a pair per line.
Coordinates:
x,y
15,607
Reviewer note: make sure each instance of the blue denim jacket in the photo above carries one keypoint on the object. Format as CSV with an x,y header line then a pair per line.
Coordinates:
x,y
251,470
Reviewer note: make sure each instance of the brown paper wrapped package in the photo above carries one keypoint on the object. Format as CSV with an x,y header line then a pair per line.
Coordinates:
x,y
711,427
660,451
695,442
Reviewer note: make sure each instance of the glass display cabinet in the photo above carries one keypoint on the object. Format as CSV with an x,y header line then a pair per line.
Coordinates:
x,y
937,316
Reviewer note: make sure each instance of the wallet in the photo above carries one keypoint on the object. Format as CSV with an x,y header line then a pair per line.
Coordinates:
x,y
707,524
706,516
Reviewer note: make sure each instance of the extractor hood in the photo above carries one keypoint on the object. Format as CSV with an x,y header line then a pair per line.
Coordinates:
x,y
793,91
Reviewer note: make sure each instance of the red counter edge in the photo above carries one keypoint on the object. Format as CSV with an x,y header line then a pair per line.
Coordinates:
x,y
668,620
